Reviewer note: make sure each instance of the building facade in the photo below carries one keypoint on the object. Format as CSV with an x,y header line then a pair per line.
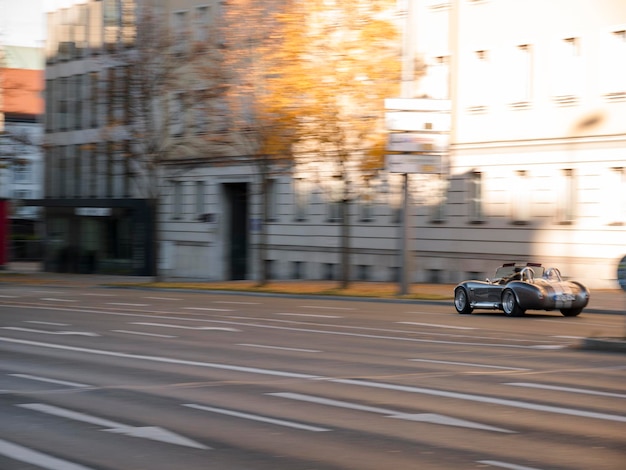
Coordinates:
x,y
534,169
538,143
21,173
95,221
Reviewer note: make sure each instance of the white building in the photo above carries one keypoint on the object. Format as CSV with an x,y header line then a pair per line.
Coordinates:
x,y
535,169
537,161
538,144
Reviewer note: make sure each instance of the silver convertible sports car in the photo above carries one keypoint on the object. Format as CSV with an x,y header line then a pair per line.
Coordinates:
x,y
517,288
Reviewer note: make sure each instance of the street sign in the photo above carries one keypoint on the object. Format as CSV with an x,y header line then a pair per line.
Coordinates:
x,y
417,142
404,163
621,273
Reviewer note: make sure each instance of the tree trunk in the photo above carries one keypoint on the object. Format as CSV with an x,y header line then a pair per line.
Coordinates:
x,y
345,243
262,250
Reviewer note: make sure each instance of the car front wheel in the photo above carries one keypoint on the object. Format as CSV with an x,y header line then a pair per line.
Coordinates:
x,y
461,301
571,312
509,304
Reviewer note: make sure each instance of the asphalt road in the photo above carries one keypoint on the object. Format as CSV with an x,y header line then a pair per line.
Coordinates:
x,y
125,379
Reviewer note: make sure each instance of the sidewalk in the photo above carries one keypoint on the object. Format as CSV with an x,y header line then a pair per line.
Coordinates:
x,y
602,301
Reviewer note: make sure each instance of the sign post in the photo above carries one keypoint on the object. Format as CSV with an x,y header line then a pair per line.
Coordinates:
x,y
419,138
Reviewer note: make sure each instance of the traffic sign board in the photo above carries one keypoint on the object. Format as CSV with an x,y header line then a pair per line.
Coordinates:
x,y
408,163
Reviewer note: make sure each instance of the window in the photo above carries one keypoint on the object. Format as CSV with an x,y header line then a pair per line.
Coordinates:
x,y
181,28
366,204
615,197
301,198
568,72
94,100
566,203
22,194
613,74
177,122
271,200
110,169
475,197
438,208
520,198
479,80
202,23
62,103
520,75
23,172
329,271
199,209
177,201
438,78
335,199
363,272
76,175
297,270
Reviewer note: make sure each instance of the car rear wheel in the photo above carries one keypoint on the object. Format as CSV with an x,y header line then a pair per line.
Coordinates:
x,y
571,312
461,301
509,304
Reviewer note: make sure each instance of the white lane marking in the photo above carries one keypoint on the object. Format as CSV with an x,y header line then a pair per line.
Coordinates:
x,y
123,304
165,360
54,381
263,419
569,337
39,459
147,432
360,383
567,389
9,296
46,323
468,364
308,315
485,399
309,330
235,303
208,309
141,333
91,294
278,347
202,328
65,333
422,417
162,298
510,466
327,308
52,299
422,313
436,325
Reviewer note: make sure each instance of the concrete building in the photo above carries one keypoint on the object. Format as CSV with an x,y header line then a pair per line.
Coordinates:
x,y
534,167
21,112
538,143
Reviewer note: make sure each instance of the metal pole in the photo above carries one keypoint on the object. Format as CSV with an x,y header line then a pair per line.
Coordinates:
x,y
404,261
408,77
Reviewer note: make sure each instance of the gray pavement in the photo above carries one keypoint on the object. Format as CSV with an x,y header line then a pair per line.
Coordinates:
x,y
607,301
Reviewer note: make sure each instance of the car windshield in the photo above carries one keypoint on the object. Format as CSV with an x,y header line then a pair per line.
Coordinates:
x,y
506,271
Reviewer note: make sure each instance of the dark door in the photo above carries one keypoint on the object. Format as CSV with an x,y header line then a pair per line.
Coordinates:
x,y
237,201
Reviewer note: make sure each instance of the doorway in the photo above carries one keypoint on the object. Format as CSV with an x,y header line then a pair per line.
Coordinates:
x,y
237,230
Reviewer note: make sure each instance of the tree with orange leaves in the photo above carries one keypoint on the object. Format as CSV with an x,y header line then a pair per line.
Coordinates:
x,y
317,72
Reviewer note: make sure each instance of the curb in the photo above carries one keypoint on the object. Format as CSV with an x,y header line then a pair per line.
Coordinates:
x,y
604,344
